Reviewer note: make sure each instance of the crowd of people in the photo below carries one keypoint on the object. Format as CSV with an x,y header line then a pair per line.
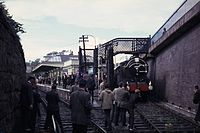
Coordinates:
x,y
63,80
121,101
30,100
116,104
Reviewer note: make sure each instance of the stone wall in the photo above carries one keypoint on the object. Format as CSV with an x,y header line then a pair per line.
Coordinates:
x,y
12,73
176,65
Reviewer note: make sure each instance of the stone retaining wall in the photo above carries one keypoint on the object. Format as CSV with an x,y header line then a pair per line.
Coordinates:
x,y
12,73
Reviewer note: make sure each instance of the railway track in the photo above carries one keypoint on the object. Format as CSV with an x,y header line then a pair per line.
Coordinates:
x,y
148,117
153,118
163,120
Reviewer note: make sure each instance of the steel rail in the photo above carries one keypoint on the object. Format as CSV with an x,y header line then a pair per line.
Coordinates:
x,y
193,126
52,118
177,115
148,121
99,128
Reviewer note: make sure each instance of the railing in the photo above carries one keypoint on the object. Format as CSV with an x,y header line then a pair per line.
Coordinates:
x,y
183,9
63,93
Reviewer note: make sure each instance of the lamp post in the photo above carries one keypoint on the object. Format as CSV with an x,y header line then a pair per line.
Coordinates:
x,y
93,38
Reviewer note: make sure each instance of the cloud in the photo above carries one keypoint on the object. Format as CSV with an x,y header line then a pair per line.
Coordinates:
x,y
126,15
37,48
55,25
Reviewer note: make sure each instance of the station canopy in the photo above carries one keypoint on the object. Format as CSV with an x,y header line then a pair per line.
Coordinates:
x,y
47,66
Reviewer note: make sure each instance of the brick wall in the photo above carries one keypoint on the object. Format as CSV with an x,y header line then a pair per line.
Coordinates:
x,y
12,74
175,66
177,69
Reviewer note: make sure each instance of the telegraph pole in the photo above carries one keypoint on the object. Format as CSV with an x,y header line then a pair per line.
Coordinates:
x,y
84,38
84,53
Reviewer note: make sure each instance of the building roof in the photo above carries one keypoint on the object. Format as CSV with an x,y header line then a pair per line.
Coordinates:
x,y
47,66
67,57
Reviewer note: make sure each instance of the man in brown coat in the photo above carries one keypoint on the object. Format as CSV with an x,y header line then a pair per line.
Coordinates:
x,y
107,99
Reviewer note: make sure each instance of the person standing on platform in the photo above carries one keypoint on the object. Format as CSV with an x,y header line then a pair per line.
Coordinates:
x,y
80,108
96,82
53,107
59,80
65,82
91,86
26,101
196,100
107,99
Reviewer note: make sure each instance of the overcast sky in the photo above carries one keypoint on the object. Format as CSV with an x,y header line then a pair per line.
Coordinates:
x,y
55,25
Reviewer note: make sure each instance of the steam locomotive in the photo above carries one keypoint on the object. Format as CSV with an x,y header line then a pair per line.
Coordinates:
x,y
134,72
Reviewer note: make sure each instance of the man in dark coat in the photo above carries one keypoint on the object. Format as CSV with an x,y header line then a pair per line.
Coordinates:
x,y
80,108
36,110
53,107
133,95
91,86
196,100
64,81
26,101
